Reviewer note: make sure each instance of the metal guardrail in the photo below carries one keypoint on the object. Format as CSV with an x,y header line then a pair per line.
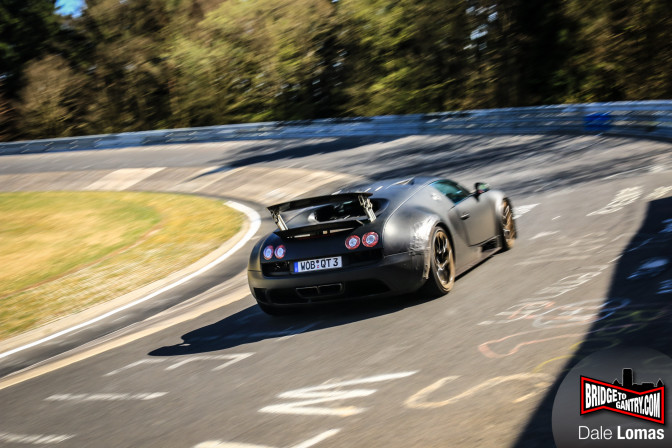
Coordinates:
x,y
640,119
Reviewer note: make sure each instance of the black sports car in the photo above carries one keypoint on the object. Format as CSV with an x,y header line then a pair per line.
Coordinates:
x,y
386,238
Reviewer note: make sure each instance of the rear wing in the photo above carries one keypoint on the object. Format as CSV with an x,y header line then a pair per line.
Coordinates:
x,y
361,198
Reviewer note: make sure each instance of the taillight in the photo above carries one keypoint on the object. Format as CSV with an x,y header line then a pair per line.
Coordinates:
x,y
268,252
280,251
352,242
370,239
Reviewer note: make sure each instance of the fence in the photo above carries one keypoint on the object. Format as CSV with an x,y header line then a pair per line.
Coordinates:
x,y
640,119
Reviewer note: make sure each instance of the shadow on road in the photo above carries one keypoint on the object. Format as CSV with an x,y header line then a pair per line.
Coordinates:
x,y
295,149
252,325
458,159
636,311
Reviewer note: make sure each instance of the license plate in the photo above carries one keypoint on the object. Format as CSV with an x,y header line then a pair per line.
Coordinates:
x,y
318,264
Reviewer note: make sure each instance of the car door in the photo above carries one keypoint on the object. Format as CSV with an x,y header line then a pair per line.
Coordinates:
x,y
474,212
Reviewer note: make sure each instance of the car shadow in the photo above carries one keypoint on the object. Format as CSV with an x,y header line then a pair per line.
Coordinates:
x,y
253,325
636,311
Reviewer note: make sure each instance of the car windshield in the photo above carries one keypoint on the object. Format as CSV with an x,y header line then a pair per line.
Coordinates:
x,y
452,190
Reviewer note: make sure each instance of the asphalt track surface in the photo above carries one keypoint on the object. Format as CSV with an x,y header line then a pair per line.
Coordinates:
x,y
477,367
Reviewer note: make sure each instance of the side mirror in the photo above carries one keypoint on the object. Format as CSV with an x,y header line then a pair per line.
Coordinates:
x,y
480,188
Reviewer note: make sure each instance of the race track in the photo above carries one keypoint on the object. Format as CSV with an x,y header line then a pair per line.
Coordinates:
x,y
476,368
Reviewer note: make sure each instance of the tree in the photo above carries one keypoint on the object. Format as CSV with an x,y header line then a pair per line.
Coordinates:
x,y
26,28
622,50
256,60
49,106
405,56
6,118
518,50
126,73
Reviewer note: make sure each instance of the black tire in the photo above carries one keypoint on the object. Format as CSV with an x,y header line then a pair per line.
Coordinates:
x,y
273,310
442,264
507,226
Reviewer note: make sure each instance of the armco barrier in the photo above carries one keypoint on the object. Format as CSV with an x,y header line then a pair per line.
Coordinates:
x,y
641,119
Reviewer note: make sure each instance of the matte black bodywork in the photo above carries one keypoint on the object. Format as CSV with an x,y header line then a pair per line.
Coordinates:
x,y
406,212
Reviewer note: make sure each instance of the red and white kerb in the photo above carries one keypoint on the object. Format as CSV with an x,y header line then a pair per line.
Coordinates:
x,y
352,242
268,252
370,239
280,251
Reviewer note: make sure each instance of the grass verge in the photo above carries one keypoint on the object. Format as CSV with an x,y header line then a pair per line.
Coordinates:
x,y
61,252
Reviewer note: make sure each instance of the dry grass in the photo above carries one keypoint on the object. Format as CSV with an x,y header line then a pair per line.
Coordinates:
x,y
61,252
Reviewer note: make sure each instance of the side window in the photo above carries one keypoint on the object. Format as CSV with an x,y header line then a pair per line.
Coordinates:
x,y
453,191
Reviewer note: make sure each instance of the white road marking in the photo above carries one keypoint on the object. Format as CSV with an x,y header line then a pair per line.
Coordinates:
x,y
623,198
634,170
255,223
220,444
659,193
520,210
317,439
665,287
106,397
291,331
557,217
579,249
307,444
232,359
123,179
543,234
537,383
180,314
542,310
136,363
614,259
328,393
668,226
650,268
275,194
36,439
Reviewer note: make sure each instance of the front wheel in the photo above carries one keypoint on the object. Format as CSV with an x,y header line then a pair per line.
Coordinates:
x,y
442,268
507,226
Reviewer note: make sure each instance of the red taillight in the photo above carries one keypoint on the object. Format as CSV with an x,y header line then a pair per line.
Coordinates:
x,y
280,251
370,239
268,252
352,242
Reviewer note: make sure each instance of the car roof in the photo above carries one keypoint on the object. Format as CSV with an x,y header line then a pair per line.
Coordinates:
x,y
391,189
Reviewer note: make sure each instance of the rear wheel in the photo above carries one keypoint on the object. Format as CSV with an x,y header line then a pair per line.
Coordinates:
x,y
507,226
442,264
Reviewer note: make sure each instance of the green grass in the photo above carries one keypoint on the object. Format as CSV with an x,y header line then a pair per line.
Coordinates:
x,y
61,252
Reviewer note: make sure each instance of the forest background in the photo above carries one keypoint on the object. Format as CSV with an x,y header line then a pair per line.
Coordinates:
x,y
131,65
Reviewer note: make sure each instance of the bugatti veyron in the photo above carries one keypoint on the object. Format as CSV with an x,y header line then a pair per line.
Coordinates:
x,y
385,238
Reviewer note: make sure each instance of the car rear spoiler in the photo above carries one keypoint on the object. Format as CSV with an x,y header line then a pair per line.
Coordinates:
x,y
361,197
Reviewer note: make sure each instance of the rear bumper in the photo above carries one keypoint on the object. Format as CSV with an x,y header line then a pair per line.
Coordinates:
x,y
392,275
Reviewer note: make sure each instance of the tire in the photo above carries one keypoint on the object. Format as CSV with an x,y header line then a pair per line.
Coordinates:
x,y
273,310
442,264
507,226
